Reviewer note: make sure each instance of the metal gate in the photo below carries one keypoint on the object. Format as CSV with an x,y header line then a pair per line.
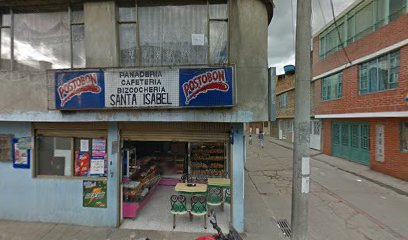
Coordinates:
x,y
315,134
351,140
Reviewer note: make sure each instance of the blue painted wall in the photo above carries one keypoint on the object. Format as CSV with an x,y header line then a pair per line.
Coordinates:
x,y
23,197
238,153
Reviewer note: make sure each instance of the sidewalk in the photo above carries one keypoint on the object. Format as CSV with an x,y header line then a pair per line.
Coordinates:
x,y
359,170
15,230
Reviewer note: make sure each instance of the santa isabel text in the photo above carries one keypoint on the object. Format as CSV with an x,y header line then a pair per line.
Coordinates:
x,y
140,83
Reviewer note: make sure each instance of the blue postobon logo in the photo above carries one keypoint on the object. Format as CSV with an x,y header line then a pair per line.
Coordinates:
x,y
214,80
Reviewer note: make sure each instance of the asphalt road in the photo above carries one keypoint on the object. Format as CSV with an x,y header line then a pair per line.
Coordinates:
x,y
341,205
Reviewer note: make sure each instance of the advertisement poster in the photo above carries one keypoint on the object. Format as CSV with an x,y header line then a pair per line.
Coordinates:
x,y
97,166
79,89
84,145
95,194
206,87
82,163
98,147
21,152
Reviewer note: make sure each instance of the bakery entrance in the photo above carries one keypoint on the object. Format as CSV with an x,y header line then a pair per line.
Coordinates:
x,y
163,180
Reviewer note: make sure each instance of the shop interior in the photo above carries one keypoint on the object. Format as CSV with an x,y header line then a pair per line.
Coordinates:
x,y
151,173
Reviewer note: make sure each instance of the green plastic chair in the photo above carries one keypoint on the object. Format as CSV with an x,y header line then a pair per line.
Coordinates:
x,y
215,197
227,198
178,207
199,208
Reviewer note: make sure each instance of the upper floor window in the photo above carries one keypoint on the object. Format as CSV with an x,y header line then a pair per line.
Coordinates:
x,y
174,34
404,136
127,35
45,40
332,87
283,100
379,74
364,19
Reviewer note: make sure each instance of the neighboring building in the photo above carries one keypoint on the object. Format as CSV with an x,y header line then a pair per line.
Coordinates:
x,y
285,105
105,100
283,127
360,90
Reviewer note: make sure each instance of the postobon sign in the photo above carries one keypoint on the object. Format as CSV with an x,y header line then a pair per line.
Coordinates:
x,y
144,88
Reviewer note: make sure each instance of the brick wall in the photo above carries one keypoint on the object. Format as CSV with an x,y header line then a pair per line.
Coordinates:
x,y
285,82
395,162
352,102
385,36
289,111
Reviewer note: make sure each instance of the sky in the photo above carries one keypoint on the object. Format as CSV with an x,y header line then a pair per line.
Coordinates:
x,y
281,45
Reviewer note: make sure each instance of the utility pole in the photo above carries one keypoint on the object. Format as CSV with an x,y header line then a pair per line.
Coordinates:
x,y
301,154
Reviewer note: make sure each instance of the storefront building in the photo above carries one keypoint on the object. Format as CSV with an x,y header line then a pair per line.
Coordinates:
x,y
360,83
102,103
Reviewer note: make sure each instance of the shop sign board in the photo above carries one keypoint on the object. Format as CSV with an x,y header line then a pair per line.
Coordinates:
x,y
144,88
95,193
206,87
79,89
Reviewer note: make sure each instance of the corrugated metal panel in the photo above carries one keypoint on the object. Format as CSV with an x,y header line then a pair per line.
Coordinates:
x,y
71,129
192,132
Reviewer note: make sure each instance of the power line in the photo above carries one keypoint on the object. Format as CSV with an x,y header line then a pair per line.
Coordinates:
x,y
338,32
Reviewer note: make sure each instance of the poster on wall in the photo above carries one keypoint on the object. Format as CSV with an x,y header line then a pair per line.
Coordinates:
x,y
82,163
21,152
379,143
98,147
95,194
97,166
5,147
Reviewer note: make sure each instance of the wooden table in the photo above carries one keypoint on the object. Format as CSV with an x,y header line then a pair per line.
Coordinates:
x,y
198,188
219,182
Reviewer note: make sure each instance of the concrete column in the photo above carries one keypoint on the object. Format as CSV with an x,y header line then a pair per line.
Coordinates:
x,y
113,173
238,161
101,44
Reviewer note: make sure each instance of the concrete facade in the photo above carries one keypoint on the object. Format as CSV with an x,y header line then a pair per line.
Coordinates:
x,y
387,107
24,97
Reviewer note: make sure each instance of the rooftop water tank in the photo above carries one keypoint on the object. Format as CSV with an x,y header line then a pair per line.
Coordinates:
x,y
289,69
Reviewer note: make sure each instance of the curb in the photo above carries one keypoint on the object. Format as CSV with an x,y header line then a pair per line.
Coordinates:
x,y
397,190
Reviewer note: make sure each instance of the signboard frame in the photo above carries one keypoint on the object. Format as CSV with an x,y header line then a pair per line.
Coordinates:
x,y
53,95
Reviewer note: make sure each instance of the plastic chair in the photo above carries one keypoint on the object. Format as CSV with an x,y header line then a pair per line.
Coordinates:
x,y
199,208
227,198
178,207
215,197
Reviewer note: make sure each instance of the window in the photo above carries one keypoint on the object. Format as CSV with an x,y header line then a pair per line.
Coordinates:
x,y
283,98
5,50
42,40
127,35
77,39
183,34
68,156
364,19
397,8
404,136
379,74
332,87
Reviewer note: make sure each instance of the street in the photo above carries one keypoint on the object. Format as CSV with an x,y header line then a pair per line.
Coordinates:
x,y
341,205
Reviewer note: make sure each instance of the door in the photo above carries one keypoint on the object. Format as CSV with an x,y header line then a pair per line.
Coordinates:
x,y
351,140
315,134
